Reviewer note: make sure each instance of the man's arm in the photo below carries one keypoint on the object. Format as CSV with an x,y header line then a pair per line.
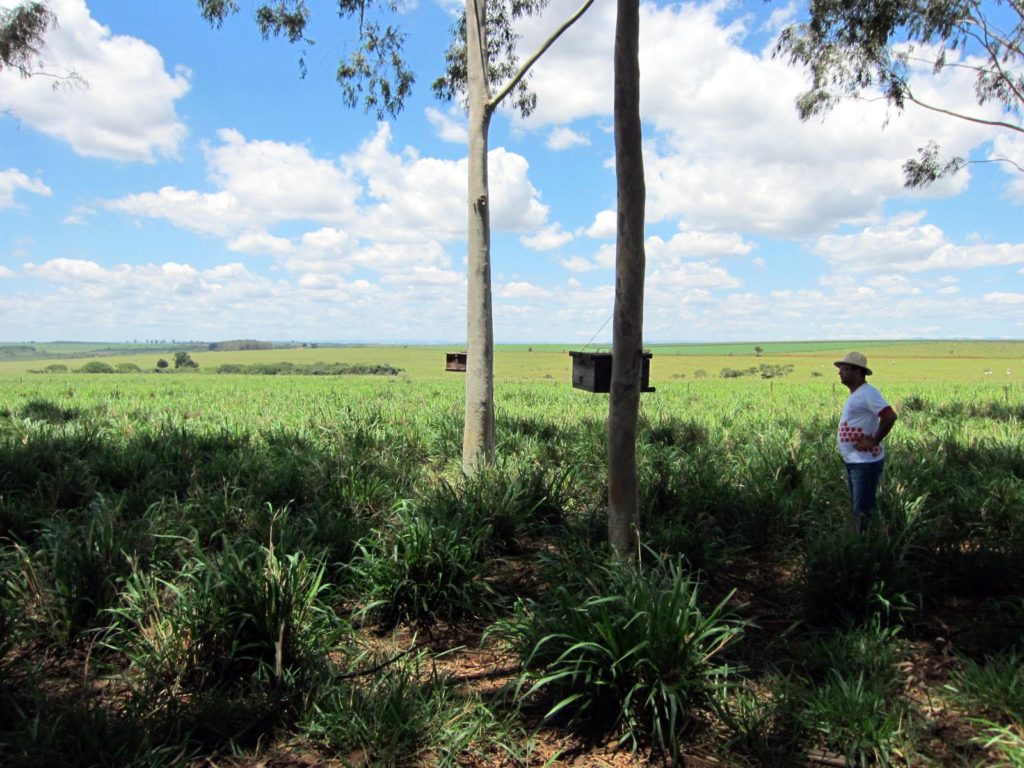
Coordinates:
x,y
885,421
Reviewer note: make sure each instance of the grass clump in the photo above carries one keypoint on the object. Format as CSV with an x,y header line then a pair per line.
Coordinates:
x,y
228,648
856,717
846,690
765,729
430,560
846,577
993,687
404,712
635,655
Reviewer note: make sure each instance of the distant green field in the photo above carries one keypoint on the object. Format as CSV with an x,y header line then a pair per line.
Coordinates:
x,y
995,362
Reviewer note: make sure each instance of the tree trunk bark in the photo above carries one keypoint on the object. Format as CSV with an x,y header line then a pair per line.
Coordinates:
x,y
478,431
630,263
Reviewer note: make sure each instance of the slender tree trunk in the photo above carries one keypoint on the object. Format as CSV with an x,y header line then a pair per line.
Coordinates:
x,y
627,330
478,433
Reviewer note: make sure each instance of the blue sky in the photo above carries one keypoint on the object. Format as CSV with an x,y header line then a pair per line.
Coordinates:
x,y
196,188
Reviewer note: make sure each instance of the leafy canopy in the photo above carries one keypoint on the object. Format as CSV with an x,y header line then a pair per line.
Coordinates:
x,y
502,60
374,73
22,29
850,46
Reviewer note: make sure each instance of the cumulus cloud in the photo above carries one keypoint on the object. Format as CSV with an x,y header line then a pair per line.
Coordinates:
x,y
165,299
79,214
1004,298
447,127
12,180
261,242
522,290
731,153
692,275
424,276
1008,149
689,243
6,272
894,285
427,196
372,192
603,226
905,244
124,110
565,138
548,238
578,264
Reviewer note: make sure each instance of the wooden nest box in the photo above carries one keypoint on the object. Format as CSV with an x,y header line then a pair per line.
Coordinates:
x,y
455,361
592,371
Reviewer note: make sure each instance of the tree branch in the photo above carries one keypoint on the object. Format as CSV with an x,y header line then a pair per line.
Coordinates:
x,y
1000,159
979,120
519,75
1007,78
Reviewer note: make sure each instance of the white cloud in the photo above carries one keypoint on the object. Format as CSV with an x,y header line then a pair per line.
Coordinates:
x,y
1004,298
949,290
731,153
689,243
180,299
68,270
6,272
1011,147
389,214
427,276
604,225
894,285
522,290
562,138
261,242
904,244
427,196
781,18
399,258
13,180
284,181
447,127
578,264
79,214
692,275
548,238
126,109
217,213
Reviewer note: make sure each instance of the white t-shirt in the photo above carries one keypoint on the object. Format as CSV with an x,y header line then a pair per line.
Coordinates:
x,y
860,417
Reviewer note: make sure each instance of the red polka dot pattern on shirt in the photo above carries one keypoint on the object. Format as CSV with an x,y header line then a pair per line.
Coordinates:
x,y
848,434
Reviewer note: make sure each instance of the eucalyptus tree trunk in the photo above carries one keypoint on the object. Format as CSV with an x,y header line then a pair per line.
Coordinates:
x,y
478,432
627,330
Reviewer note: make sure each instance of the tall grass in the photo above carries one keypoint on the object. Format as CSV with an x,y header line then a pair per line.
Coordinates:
x,y
633,654
192,552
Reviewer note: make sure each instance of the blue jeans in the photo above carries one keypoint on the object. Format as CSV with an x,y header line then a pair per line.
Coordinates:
x,y
863,480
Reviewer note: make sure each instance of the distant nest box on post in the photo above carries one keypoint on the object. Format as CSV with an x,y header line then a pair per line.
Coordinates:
x,y
455,361
592,371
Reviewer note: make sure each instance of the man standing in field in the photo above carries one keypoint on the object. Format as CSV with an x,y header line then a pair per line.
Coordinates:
x,y
866,420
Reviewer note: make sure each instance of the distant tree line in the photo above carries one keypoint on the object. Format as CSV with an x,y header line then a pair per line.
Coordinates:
x,y
239,345
311,369
765,371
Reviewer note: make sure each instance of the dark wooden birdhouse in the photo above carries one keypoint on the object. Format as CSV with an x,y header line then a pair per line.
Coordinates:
x,y
592,371
455,361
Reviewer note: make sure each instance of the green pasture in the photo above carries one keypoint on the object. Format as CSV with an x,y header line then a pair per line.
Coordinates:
x,y
997,363
195,565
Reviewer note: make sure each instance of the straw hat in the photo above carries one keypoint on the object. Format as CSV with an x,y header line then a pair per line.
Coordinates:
x,y
857,359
